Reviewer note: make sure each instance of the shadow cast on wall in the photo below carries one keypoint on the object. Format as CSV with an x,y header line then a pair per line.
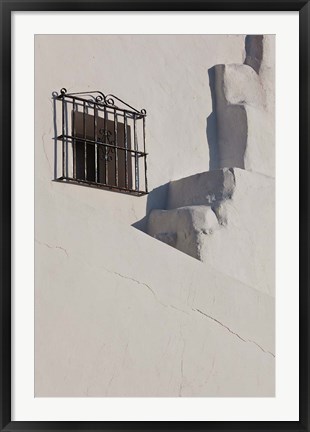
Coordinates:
x,y
156,199
211,124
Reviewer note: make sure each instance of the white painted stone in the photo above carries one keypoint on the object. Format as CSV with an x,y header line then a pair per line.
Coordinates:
x,y
184,228
244,100
243,202
225,218
206,188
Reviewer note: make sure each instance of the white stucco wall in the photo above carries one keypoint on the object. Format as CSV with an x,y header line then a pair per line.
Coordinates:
x,y
117,312
165,74
225,218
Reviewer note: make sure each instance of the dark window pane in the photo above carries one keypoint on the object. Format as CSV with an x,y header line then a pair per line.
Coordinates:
x,y
109,159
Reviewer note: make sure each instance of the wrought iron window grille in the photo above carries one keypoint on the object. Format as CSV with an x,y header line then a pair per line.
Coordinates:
x,y
102,142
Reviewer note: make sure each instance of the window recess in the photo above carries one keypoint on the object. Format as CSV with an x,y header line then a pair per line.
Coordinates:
x,y
102,142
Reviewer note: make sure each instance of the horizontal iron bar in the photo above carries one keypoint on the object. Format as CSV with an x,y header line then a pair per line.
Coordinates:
x,y
109,108
100,185
88,141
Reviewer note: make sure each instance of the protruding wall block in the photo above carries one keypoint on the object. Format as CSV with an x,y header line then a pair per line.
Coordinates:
x,y
244,105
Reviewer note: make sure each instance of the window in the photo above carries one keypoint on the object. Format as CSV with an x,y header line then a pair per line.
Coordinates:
x,y
102,144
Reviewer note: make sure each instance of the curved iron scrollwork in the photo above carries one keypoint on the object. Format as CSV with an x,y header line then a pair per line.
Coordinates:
x,y
102,100
106,153
103,141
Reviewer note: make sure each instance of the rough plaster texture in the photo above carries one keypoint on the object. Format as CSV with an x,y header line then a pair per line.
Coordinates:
x,y
134,317
118,313
225,218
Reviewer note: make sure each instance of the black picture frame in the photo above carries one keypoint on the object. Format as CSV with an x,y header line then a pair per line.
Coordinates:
x,y
7,7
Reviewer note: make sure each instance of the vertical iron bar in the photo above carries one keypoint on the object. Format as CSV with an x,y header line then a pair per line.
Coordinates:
x,y
63,136
126,148
56,145
136,154
84,136
116,149
67,133
74,139
105,148
96,145
145,154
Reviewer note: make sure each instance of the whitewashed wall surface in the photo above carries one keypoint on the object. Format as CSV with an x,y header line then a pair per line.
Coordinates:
x,y
170,293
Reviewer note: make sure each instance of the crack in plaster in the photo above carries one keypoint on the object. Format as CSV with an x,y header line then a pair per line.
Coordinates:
x,y
204,384
195,310
53,247
182,370
44,149
134,213
260,347
110,381
211,371
218,322
134,280
149,288
181,363
175,308
125,353
232,332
